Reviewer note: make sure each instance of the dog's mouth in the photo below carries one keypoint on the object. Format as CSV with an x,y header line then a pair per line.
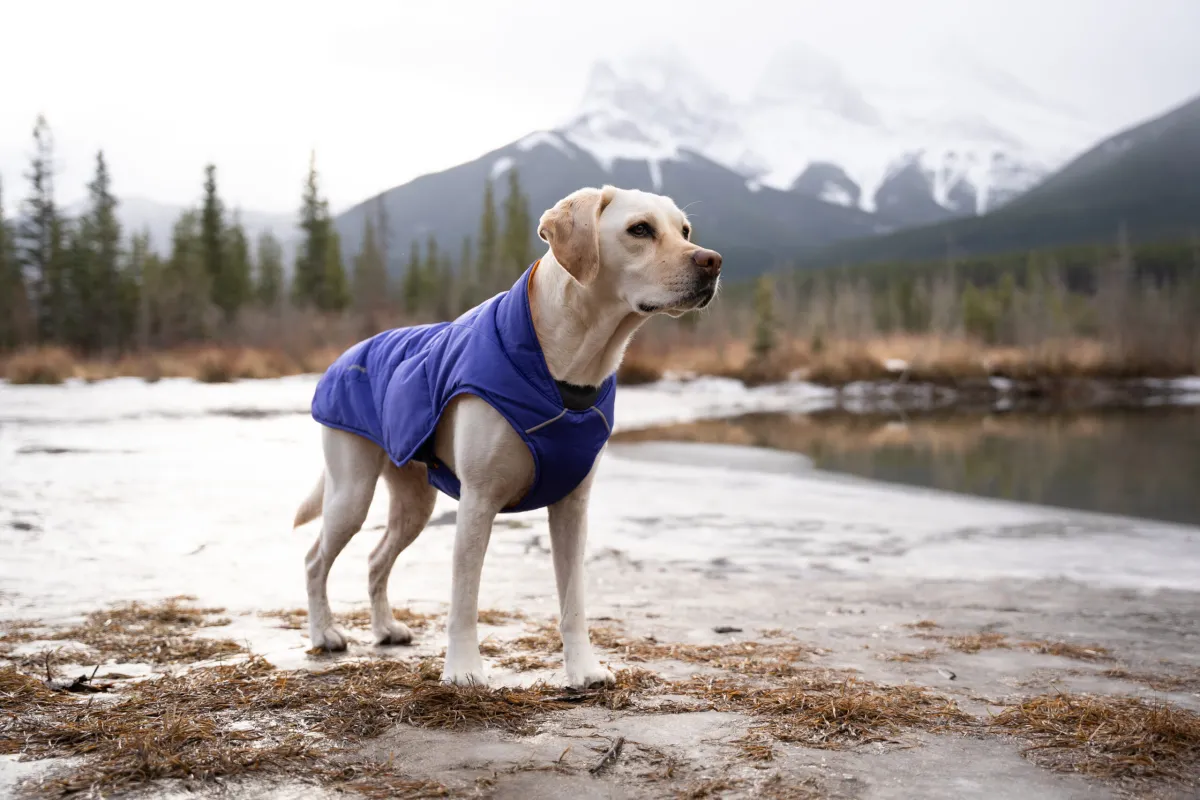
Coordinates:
x,y
695,300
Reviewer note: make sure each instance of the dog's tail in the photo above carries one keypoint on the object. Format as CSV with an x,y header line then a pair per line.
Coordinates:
x,y
310,509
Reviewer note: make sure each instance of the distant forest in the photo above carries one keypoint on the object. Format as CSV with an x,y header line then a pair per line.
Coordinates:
x,y
87,285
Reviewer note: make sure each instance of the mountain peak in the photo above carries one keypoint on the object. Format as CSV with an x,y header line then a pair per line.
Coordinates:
x,y
969,133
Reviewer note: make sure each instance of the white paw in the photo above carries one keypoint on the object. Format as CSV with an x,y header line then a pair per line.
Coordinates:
x,y
590,676
392,632
464,670
331,639
464,677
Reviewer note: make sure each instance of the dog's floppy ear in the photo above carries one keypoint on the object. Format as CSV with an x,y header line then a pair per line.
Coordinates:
x,y
572,229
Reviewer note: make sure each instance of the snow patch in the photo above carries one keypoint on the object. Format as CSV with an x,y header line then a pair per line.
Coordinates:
x,y
502,165
836,194
545,137
655,174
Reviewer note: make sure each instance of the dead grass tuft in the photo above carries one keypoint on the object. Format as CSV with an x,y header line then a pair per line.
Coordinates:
x,y
495,616
1112,737
379,781
747,658
40,365
1092,652
1160,682
971,642
927,654
923,625
159,633
297,618
525,663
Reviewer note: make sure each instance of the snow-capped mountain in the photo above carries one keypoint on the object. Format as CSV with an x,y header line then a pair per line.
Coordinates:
x,y
952,138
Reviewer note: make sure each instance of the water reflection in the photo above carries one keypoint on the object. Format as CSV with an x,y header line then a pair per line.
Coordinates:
x,y
1142,462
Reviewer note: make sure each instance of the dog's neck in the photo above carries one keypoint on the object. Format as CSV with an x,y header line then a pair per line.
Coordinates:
x,y
583,340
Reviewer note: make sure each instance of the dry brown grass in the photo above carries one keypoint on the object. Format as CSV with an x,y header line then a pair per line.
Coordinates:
x,y
921,655
970,642
930,359
525,663
1112,737
158,633
245,718
40,365
922,625
1091,652
747,658
297,618
1189,681
496,616
205,363
828,709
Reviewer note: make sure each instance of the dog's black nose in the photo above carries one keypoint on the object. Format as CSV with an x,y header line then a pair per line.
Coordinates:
x,y
707,260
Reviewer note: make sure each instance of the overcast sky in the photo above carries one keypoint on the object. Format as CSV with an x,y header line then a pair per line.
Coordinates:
x,y
386,90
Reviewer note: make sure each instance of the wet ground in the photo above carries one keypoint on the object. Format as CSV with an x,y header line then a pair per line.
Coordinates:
x,y
124,491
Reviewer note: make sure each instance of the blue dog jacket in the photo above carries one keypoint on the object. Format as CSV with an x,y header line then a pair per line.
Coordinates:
x,y
393,388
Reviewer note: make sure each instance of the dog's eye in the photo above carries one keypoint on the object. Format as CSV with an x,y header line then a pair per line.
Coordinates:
x,y
640,230
687,232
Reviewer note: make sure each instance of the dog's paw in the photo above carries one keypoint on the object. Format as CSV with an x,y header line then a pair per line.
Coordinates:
x,y
332,639
593,676
463,670
392,632
464,677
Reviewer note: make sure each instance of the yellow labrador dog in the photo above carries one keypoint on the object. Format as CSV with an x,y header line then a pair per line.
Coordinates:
x,y
616,257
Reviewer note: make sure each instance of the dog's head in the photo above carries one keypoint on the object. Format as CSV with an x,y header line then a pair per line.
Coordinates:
x,y
632,245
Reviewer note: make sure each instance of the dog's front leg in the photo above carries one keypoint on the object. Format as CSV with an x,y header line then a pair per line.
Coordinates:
x,y
464,666
568,536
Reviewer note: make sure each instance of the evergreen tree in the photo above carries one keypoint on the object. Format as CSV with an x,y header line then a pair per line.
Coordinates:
x,y
186,286
515,246
268,288
488,253
412,280
14,298
468,289
319,278
232,288
764,317
370,273
444,289
39,240
80,320
96,263
335,294
143,273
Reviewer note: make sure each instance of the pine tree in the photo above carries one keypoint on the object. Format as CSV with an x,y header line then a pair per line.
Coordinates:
x,y
488,253
268,288
764,317
515,249
319,278
335,294
97,262
430,271
80,320
39,240
412,280
370,274
468,290
145,276
445,289
233,288
15,315
186,286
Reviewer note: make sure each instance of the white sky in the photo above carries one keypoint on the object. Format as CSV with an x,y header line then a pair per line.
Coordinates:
x,y
386,91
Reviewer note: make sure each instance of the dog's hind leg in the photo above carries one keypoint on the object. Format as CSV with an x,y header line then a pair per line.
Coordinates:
x,y
412,500
352,466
